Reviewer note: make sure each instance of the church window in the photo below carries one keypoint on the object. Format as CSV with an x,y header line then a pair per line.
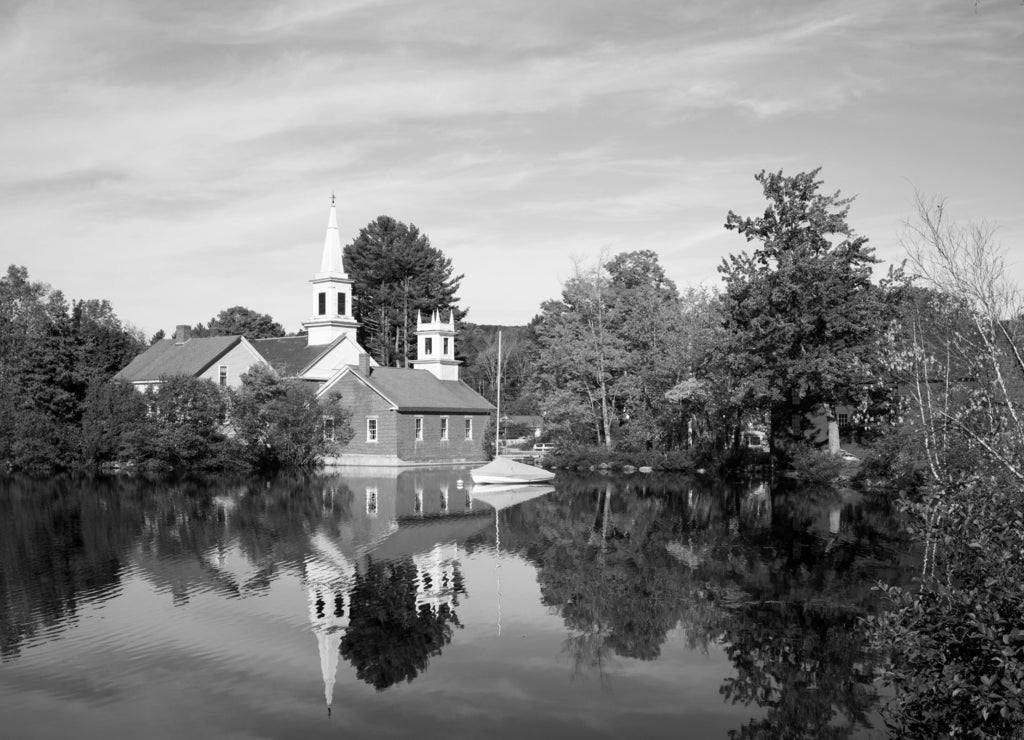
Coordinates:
x,y
341,304
321,304
444,427
469,428
445,352
428,346
371,429
419,428
222,375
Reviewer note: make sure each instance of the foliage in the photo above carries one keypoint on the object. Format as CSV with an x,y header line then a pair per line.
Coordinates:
x,y
397,273
477,346
813,465
280,423
801,315
116,427
189,432
588,457
608,351
954,646
50,354
239,320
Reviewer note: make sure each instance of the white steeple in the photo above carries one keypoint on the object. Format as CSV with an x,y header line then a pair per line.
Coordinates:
x,y
332,292
332,264
435,346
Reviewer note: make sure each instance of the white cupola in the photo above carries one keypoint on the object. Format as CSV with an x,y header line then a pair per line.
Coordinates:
x,y
435,346
332,292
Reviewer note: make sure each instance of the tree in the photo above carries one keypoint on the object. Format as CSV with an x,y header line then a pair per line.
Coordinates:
x,y
954,646
610,349
281,422
578,352
397,273
801,316
190,432
244,321
50,354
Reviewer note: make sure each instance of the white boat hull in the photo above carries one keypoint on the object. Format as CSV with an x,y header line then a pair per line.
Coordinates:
x,y
502,471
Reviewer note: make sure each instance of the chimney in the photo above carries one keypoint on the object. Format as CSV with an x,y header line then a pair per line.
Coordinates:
x,y
182,334
364,364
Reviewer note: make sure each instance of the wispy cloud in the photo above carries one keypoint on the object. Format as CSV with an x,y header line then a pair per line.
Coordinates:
x,y
205,137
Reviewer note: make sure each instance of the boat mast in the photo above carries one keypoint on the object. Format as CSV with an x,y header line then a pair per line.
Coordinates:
x,y
497,419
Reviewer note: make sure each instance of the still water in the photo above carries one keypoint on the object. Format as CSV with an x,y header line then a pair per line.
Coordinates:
x,y
379,604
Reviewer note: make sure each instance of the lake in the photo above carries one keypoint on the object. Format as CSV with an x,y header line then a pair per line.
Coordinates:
x,y
386,603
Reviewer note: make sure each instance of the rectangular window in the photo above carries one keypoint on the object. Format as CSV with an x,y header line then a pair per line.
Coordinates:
x,y
428,346
844,420
445,352
329,428
419,428
444,427
341,304
321,304
371,429
222,373
469,428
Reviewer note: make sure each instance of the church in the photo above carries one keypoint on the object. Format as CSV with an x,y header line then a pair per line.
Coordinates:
x,y
401,416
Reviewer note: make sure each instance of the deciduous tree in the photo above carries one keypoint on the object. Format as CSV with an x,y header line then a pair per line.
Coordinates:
x,y
802,318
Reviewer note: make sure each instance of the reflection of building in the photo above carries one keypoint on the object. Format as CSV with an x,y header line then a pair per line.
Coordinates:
x,y
403,517
435,570
329,578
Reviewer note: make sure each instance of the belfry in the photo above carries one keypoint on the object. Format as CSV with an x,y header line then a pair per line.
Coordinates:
x,y
332,292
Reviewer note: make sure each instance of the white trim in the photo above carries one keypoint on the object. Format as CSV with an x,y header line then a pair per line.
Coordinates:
x,y
376,430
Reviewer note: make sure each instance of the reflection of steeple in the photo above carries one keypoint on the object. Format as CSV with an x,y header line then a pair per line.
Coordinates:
x,y
329,576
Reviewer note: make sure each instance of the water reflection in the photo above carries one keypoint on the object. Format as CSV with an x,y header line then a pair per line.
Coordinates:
x,y
772,579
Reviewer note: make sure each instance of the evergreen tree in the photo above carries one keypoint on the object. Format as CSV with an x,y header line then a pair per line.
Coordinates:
x,y
397,273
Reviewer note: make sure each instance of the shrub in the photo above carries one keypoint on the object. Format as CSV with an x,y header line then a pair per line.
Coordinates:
x,y
813,465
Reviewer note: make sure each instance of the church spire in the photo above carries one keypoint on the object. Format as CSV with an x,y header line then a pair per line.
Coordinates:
x,y
332,264
332,292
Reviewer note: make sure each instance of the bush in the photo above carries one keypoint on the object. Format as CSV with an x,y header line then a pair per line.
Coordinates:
x,y
813,465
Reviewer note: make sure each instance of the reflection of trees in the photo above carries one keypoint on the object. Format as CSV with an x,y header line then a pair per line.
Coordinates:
x,y
805,663
61,545
389,638
64,543
769,576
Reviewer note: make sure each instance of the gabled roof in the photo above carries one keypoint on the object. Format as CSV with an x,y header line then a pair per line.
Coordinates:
x,y
289,356
168,357
420,390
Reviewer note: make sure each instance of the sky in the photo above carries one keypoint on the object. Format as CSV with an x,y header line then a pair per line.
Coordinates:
x,y
178,157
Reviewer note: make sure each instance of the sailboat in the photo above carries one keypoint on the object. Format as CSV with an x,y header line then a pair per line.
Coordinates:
x,y
504,470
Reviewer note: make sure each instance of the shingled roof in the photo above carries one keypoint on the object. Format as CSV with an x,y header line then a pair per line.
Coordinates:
x,y
420,390
171,357
289,356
